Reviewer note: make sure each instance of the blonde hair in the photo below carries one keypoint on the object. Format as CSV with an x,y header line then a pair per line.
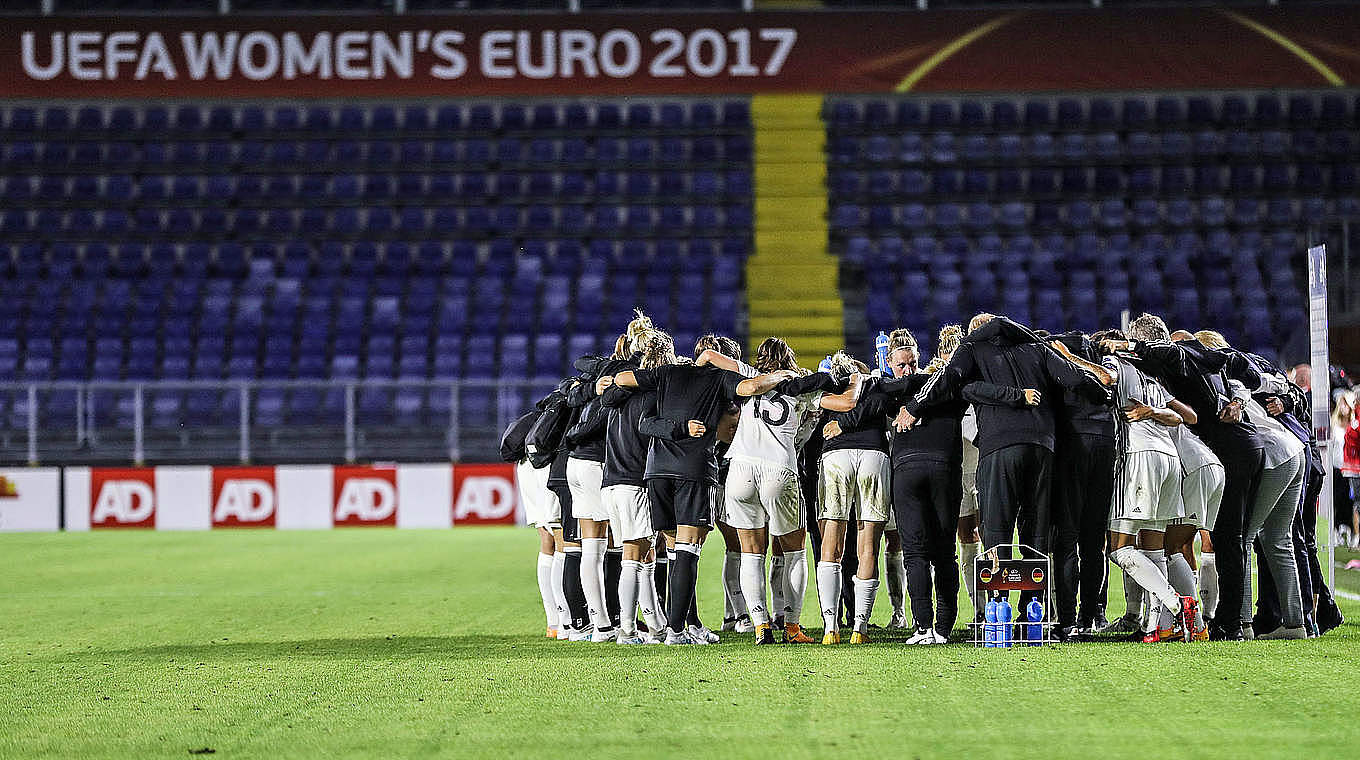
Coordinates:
x,y
901,338
1344,412
979,320
637,330
1211,339
1179,335
658,349
844,365
948,341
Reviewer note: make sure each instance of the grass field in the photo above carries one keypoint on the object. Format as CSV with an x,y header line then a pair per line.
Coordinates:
x,y
381,643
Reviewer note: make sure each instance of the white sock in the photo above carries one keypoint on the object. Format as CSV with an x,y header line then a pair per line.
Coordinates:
x,y
865,591
795,573
1145,573
592,582
1163,614
752,577
545,588
1208,583
652,613
967,555
896,571
777,584
733,603
1182,579
628,597
559,594
829,593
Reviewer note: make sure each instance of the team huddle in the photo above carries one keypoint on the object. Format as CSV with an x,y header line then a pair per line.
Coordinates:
x,y
1118,446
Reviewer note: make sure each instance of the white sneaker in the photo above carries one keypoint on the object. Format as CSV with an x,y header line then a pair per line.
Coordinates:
x,y
922,636
701,635
582,634
677,639
604,637
632,638
564,633
744,625
898,620
939,638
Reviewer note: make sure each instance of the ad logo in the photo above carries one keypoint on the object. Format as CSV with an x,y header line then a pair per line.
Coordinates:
x,y
7,488
122,498
365,495
243,497
484,494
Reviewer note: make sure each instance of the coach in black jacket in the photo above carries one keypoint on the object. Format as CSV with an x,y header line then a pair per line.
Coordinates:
x,y
1015,443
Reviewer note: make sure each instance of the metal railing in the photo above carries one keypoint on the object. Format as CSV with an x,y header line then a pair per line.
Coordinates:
x,y
259,421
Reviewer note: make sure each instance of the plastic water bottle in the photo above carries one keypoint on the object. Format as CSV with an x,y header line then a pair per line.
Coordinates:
x,y
825,366
1004,619
881,346
1034,613
989,631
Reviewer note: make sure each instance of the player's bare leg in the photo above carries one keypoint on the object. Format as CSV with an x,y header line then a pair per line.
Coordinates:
x,y
970,545
895,570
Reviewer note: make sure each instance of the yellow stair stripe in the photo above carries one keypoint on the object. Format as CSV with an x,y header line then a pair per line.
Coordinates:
x,y
792,287
1293,47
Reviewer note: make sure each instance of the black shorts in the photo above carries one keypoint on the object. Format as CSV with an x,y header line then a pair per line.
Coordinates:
x,y
571,529
680,502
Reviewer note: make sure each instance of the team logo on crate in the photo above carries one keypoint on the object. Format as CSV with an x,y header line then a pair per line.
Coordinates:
x,y
122,498
243,497
365,495
484,494
7,488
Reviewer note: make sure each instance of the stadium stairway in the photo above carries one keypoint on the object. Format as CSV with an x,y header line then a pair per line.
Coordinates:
x,y
791,280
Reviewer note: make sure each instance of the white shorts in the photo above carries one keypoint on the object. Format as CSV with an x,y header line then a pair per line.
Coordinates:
x,y
759,494
853,478
1202,493
584,478
540,504
1151,493
969,505
630,512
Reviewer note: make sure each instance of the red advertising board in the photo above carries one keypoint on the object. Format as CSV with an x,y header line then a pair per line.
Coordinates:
x,y
122,497
365,495
484,494
244,497
657,53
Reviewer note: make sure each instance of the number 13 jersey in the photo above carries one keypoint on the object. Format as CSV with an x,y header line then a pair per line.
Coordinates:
x,y
771,427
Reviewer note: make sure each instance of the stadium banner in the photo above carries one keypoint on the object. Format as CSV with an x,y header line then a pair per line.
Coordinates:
x,y
30,499
677,53
286,497
486,494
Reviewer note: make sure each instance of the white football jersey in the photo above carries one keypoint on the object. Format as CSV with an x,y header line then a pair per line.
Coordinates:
x,y
769,426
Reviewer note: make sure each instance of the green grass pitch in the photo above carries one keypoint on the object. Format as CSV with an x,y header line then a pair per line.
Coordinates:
x,y
386,643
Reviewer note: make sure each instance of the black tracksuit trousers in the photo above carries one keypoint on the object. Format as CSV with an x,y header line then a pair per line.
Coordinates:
x,y
1082,490
926,498
1242,478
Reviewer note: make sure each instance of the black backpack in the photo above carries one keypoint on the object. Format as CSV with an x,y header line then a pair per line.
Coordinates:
x,y
514,445
545,435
